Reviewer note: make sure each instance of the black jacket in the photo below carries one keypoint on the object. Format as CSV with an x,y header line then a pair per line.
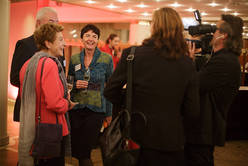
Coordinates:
x,y
24,50
164,90
219,83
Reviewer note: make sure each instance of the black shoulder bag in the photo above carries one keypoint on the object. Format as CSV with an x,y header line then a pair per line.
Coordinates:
x,y
115,139
48,137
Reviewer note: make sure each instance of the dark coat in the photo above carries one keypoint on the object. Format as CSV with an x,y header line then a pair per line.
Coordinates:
x,y
219,83
24,50
164,90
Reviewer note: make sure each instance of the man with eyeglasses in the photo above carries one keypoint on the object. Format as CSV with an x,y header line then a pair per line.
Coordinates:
x,y
25,49
219,81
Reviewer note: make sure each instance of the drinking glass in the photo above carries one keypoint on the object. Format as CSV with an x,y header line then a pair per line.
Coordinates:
x,y
70,81
86,77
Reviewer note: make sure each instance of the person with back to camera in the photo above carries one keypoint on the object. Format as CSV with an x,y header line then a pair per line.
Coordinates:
x,y
164,89
25,49
110,47
47,94
219,81
91,70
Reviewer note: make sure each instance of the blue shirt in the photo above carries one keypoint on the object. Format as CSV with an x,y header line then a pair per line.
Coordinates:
x,y
101,68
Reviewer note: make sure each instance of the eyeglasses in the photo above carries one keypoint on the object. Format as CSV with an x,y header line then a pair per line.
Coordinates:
x,y
53,21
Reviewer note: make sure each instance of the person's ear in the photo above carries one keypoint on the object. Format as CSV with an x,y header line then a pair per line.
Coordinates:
x,y
48,44
225,35
37,25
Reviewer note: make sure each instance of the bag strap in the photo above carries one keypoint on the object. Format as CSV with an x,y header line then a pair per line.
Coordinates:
x,y
129,59
39,115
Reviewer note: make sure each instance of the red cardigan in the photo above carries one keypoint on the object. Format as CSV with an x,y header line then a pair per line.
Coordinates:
x,y
52,96
110,51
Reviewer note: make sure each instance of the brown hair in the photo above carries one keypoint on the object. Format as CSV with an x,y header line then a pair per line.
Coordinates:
x,y
111,37
233,26
46,32
167,32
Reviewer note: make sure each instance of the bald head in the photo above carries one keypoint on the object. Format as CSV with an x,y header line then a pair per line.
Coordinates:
x,y
46,15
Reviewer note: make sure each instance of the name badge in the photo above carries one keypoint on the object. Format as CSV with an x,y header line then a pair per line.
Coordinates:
x,y
77,67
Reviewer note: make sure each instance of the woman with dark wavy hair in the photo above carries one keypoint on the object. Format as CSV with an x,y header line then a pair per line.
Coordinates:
x,y
164,89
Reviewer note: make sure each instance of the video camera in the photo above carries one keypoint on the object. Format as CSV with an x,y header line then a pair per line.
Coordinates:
x,y
205,31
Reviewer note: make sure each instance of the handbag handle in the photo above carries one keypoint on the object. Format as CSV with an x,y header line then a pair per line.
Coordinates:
x,y
39,115
129,59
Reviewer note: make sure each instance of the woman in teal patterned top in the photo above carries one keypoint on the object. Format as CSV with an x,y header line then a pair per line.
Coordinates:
x,y
87,117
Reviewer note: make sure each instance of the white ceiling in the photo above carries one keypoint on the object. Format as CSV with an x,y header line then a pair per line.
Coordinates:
x,y
213,13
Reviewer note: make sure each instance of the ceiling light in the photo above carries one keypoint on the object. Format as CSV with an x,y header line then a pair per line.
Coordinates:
x,y
142,5
225,9
111,6
235,13
146,14
205,22
129,10
176,4
122,0
75,35
213,4
190,9
73,31
90,2
204,13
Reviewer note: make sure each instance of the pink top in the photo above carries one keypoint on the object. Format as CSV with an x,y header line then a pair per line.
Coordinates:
x,y
52,97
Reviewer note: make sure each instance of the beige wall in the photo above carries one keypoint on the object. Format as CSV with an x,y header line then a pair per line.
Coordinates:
x,y
4,45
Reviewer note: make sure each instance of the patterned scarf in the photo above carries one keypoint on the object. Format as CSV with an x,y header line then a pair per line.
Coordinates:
x,y
28,107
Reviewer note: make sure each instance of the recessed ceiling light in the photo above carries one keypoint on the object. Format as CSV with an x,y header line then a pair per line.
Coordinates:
x,y
204,13
111,6
73,31
236,13
225,9
213,4
190,9
145,14
129,10
122,0
90,2
176,4
75,35
142,5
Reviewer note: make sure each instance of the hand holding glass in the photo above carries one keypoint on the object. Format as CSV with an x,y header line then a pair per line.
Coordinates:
x,y
70,81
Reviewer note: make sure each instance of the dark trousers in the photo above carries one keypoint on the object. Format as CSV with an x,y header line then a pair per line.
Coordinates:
x,y
85,129
199,155
150,157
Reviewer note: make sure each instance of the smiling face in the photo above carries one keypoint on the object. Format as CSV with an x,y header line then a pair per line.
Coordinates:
x,y
115,42
56,48
90,40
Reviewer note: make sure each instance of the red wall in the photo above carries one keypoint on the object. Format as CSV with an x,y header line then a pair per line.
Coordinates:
x,y
22,21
